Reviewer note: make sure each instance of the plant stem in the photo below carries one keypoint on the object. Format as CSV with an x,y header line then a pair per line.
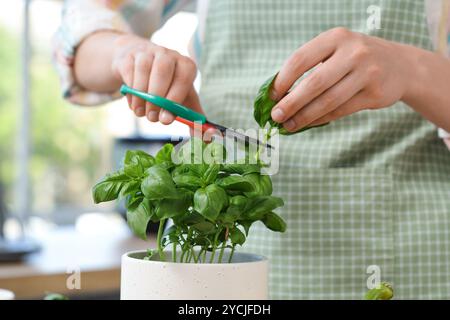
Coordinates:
x,y
231,254
267,137
162,256
222,250
174,252
193,255
199,256
183,252
213,253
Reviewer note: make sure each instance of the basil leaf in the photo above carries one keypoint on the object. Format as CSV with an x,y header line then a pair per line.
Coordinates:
x,y
164,156
210,201
130,187
109,188
133,201
236,183
263,106
241,168
274,222
236,236
136,162
204,227
258,207
239,201
169,208
139,218
211,173
246,224
230,216
188,181
158,184
189,219
262,183
383,292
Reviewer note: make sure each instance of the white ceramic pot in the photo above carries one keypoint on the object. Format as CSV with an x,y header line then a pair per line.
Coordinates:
x,y
246,278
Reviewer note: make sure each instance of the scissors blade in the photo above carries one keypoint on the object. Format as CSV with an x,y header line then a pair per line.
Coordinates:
x,y
239,136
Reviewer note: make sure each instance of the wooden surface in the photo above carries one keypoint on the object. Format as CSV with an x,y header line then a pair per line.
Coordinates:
x,y
64,252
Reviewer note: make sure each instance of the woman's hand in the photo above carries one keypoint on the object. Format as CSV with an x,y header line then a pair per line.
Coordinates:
x,y
353,72
147,67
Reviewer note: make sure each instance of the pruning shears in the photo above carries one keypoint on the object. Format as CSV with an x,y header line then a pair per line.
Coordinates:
x,y
189,117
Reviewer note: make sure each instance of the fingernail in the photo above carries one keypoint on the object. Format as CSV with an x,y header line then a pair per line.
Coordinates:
x,y
153,115
290,125
165,116
278,115
139,112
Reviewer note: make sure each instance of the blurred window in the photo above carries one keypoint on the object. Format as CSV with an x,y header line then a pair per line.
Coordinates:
x,y
71,147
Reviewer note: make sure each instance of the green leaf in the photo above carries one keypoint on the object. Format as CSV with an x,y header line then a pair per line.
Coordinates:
x,y
169,208
204,227
210,201
188,181
274,222
239,201
383,292
130,187
230,216
246,224
109,188
133,201
237,236
158,184
258,207
262,183
189,219
191,152
241,168
164,156
263,106
136,162
139,218
211,173
236,183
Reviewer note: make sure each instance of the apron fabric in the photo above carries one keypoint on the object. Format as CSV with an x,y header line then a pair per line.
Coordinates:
x,y
370,189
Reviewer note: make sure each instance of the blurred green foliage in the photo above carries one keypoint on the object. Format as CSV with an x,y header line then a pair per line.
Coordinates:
x,y
66,140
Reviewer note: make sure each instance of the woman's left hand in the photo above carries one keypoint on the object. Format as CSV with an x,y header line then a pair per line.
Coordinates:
x,y
353,72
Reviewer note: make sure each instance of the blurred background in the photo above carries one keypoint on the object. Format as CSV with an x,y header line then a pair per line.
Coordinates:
x,y
52,153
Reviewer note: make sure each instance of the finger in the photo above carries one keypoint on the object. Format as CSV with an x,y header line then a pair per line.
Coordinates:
x,y
142,68
183,78
321,79
163,69
126,72
331,99
193,101
303,59
358,102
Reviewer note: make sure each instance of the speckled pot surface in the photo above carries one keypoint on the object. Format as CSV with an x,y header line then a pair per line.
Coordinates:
x,y
246,278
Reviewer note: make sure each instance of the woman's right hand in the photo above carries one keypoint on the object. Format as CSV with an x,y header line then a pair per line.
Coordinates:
x,y
144,66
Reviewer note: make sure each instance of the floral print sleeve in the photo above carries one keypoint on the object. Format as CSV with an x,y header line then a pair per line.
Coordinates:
x,y
81,18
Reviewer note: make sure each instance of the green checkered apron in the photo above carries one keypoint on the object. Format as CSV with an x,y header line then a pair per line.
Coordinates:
x,y
370,189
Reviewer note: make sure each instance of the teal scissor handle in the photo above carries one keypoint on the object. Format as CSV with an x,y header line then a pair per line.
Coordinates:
x,y
176,108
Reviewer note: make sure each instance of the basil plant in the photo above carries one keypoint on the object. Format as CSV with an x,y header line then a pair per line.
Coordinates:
x,y
212,203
